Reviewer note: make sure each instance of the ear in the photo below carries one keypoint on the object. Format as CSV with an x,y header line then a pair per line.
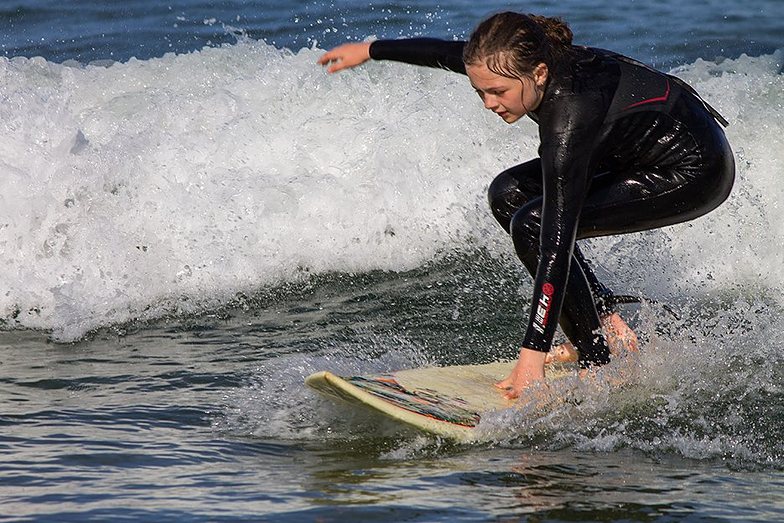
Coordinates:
x,y
541,73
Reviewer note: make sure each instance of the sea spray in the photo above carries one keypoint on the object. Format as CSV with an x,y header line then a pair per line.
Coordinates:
x,y
169,185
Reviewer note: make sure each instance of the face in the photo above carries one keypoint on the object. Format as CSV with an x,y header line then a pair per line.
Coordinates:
x,y
509,98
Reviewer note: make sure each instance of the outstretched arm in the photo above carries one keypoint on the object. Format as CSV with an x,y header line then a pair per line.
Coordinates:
x,y
428,52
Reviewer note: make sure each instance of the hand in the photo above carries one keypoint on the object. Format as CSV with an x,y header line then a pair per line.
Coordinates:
x,y
529,369
345,56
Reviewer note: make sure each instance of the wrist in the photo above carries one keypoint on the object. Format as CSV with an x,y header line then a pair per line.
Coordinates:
x,y
532,363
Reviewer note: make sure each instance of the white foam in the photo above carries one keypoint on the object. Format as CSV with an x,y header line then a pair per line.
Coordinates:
x,y
171,184
275,403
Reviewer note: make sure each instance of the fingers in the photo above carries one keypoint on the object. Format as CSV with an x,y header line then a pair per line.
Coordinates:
x,y
345,56
334,61
338,65
503,385
507,389
329,56
511,395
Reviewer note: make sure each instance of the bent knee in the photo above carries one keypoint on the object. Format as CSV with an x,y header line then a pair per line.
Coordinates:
x,y
526,225
501,198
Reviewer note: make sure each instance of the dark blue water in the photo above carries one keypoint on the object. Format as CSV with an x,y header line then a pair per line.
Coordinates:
x,y
186,235
663,33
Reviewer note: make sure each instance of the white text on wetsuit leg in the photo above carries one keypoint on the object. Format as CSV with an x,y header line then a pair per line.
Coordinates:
x,y
543,309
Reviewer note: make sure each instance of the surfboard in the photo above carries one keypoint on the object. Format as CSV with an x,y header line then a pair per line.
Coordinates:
x,y
444,401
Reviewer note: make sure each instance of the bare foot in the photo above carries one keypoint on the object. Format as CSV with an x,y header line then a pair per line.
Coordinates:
x,y
530,366
620,337
563,353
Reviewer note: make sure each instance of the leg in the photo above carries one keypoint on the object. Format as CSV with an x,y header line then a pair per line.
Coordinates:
x,y
579,317
515,187
521,187
620,339
616,203
685,179
697,179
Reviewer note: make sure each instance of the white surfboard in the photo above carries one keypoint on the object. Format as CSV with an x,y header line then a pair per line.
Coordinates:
x,y
444,401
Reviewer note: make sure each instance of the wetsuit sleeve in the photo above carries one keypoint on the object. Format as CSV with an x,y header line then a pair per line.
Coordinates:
x,y
429,52
568,127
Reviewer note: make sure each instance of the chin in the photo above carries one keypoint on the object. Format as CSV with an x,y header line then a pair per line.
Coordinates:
x,y
511,118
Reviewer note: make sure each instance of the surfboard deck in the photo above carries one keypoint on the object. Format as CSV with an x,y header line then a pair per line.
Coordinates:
x,y
444,401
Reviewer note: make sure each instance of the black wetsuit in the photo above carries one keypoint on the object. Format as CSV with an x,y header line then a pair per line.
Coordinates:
x,y
624,148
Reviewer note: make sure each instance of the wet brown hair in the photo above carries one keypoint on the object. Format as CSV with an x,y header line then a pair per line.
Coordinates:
x,y
513,44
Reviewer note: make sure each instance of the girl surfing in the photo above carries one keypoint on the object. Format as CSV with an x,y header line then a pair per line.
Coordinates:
x,y
624,148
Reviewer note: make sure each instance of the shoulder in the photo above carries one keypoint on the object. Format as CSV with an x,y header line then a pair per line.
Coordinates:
x,y
579,92
586,74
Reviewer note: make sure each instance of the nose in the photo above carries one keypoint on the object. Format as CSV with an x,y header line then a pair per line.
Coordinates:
x,y
491,102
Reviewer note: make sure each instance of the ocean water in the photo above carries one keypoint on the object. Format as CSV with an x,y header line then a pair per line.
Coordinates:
x,y
194,217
